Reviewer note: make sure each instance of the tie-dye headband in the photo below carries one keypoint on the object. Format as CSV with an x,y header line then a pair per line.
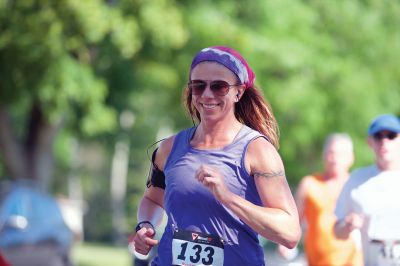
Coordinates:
x,y
229,58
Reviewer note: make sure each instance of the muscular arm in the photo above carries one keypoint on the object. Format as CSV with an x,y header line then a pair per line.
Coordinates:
x,y
347,219
277,220
300,201
151,206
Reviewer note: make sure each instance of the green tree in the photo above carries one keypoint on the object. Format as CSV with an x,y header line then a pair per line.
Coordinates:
x,y
47,78
69,68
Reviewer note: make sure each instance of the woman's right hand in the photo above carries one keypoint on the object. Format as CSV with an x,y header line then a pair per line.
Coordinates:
x,y
143,240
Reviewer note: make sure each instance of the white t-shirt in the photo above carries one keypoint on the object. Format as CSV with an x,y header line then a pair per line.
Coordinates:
x,y
376,196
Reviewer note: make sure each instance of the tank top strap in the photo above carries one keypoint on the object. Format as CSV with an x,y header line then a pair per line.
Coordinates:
x,y
237,148
181,144
246,137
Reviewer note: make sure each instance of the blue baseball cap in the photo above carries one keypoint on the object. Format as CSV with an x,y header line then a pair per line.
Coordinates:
x,y
384,122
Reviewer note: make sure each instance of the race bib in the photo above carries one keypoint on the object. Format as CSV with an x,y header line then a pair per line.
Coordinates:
x,y
194,248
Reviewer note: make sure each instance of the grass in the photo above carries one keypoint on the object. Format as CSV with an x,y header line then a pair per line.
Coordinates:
x,y
90,254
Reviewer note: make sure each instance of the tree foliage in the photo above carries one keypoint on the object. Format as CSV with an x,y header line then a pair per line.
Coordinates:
x,y
69,68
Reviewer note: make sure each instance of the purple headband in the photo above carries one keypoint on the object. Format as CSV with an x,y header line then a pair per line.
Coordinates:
x,y
229,58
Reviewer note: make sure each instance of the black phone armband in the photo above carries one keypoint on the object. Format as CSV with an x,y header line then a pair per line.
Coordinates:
x,y
156,177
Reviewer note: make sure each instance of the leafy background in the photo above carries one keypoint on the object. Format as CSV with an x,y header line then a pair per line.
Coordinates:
x,y
69,69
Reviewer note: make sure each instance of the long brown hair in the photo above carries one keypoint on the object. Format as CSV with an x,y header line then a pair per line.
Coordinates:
x,y
252,110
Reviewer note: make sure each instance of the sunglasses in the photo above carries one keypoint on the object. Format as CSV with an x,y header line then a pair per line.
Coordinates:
x,y
381,136
218,87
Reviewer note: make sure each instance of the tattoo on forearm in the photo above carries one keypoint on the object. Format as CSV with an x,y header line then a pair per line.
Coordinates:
x,y
271,174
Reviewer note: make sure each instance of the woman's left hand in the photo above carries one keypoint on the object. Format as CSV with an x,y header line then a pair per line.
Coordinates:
x,y
211,178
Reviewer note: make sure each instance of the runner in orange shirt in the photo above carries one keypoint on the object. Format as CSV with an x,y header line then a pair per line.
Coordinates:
x,y
316,199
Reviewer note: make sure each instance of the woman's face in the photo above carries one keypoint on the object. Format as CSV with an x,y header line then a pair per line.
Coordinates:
x,y
210,105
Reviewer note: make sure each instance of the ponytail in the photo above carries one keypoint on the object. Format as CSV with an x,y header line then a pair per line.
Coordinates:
x,y
255,112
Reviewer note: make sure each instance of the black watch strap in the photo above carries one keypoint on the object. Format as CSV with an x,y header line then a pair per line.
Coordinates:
x,y
140,225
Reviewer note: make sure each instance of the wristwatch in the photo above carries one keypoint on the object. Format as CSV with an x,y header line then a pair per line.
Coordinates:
x,y
142,224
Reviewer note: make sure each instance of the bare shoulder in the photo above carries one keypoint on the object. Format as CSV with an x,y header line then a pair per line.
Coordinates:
x,y
163,151
263,159
265,165
304,186
306,182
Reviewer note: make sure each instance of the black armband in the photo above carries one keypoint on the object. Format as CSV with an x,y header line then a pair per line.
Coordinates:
x,y
156,177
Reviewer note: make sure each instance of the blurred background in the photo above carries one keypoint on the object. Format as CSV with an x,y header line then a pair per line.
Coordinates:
x,y
87,86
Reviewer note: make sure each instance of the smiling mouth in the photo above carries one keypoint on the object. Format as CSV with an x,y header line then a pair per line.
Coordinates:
x,y
209,105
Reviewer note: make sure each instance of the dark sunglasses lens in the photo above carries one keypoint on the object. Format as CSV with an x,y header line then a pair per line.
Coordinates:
x,y
219,87
197,87
392,135
380,136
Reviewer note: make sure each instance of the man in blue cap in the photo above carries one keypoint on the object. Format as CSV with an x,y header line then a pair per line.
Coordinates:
x,y
370,200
